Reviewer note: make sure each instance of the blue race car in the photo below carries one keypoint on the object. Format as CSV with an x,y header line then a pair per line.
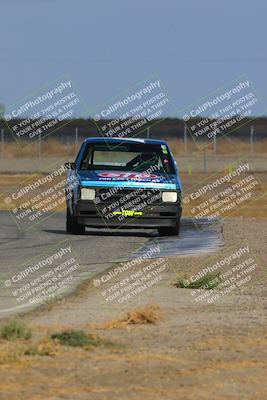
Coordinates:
x,y
123,183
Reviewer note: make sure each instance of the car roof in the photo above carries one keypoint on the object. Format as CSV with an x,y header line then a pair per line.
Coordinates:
x,y
124,140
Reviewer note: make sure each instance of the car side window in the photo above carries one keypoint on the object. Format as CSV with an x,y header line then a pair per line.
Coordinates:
x,y
88,158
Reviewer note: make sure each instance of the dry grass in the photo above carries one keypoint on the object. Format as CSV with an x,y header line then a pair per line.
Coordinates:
x,y
147,314
256,206
45,347
50,147
54,147
225,146
16,343
10,352
12,183
20,351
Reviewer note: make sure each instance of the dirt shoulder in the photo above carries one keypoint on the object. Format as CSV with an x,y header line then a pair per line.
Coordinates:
x,y
212,351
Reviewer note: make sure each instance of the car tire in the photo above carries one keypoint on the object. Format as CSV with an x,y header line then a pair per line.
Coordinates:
x,y
173,231
72,225
77,229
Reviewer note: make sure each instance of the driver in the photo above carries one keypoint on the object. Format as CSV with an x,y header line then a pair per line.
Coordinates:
x,y
143,161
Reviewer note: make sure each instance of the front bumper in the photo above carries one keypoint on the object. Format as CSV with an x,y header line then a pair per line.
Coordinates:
x,y
155,216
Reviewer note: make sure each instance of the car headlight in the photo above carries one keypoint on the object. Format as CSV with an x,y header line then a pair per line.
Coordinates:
x,y
87,194
169,197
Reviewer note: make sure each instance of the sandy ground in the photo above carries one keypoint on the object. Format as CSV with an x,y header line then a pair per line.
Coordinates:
x,y
204,351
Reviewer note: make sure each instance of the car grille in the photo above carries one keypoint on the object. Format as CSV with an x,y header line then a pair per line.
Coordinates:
x,y
125,195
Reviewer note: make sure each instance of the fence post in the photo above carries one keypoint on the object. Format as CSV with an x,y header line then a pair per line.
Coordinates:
x,y
190,172
2,142
76,139
40,145
214,143
185,140
252,139
68,150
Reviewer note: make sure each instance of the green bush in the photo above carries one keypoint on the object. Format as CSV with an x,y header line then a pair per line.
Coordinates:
x,y
208,281
78,339
15,330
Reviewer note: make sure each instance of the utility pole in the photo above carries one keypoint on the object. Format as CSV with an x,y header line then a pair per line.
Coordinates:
x,y
214,143
40,145
252,139
76,139
205,161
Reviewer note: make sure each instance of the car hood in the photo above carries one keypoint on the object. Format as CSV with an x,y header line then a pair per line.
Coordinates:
x,y
107,178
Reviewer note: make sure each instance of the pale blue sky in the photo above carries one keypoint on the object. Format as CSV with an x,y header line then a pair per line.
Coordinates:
x,y
107,46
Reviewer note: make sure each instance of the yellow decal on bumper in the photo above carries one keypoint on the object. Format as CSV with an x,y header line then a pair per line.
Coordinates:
x,y
128,213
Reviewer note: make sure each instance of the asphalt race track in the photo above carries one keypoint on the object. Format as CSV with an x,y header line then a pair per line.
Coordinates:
x,y
95,251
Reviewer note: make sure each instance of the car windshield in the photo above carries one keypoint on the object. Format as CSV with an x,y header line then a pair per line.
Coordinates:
x,y
138,157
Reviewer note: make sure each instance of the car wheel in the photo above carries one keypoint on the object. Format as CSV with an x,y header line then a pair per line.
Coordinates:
x,y
77,229
72,225
174,231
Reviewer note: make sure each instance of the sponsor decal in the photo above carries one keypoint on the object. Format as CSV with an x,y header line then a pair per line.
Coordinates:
x,y
127,175
128,213
164,149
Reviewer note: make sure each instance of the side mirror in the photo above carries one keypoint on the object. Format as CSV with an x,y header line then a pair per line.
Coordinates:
x,y
70,165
